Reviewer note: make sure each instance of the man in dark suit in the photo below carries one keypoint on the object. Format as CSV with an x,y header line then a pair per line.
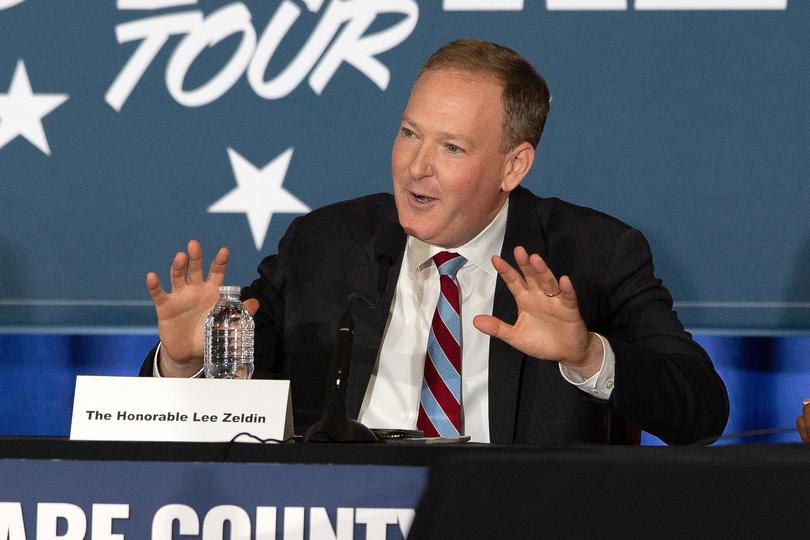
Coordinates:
x,y
600,339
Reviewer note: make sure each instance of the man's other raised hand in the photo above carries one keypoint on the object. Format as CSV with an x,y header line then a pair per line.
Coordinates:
x,y
181,313
549,324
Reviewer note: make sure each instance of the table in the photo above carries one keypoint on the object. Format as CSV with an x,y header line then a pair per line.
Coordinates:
x,y
462,491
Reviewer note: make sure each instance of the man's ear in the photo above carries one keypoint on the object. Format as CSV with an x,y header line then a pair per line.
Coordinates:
x,y
518,163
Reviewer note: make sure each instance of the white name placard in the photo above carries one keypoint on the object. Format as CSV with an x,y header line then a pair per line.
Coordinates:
x,y
199,410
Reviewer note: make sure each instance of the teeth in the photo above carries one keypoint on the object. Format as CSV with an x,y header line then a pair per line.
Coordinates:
x,y
422,198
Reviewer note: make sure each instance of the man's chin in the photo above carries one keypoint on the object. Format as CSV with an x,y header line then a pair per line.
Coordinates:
x,y
432,237
418,232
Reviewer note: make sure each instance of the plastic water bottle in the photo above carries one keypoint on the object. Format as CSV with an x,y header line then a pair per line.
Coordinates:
x,y
228,338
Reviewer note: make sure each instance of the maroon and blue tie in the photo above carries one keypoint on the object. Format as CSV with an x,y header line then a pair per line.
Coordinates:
x,y
440,400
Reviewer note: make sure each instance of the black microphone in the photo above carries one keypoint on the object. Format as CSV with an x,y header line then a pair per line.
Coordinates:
x,y
335,426
386,247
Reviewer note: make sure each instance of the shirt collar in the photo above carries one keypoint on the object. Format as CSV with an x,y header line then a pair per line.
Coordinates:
x,y
478,251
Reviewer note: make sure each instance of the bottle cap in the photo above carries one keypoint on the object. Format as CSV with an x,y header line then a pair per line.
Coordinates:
x,y
230,290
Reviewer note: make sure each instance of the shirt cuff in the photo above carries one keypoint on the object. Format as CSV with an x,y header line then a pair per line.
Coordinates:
x,y
156,371
600,384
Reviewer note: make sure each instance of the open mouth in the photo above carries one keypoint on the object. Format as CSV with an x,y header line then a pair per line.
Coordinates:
x,y
423,198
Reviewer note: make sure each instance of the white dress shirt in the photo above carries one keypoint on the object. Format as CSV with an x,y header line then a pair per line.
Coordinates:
x,y
392,397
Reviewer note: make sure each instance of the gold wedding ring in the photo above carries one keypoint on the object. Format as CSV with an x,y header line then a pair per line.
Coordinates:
x,y
552,294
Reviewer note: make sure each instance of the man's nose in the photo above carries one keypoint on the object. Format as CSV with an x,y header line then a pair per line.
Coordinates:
x,y
422,162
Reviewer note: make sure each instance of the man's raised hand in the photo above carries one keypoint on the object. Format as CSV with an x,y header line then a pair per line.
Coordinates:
x,y
548,325
181,313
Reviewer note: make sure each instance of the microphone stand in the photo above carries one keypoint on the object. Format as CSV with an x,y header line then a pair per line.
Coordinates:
x,y
335,426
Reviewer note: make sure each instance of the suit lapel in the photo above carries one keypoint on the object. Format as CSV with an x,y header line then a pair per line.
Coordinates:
x,y
369,323
523,228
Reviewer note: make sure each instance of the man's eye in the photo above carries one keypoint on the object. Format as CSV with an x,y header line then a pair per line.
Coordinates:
x,y
453,149
406,132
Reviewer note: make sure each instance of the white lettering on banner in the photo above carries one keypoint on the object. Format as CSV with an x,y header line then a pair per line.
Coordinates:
x,y
376,521
586,5
483,5
272,36
338,38
154,31
359,50
101,527
320,527
12,526
214,522
231,19
617,5
265,523
164,518
698,5
5,4
153,4
48,516
294,523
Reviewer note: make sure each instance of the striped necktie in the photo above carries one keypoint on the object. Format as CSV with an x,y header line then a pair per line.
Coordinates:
x,y
440,400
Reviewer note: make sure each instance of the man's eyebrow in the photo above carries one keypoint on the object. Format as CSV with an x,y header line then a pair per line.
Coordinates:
x,y
442,134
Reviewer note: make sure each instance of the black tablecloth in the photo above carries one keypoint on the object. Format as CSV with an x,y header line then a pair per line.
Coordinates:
x,y
489,491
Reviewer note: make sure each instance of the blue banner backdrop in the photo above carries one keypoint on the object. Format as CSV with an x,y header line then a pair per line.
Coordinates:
x,y
128,127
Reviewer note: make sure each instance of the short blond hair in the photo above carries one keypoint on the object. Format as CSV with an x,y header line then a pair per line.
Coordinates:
x,y
525,95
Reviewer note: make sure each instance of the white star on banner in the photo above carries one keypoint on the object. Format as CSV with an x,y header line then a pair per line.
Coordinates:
x,y
21,112
259,194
